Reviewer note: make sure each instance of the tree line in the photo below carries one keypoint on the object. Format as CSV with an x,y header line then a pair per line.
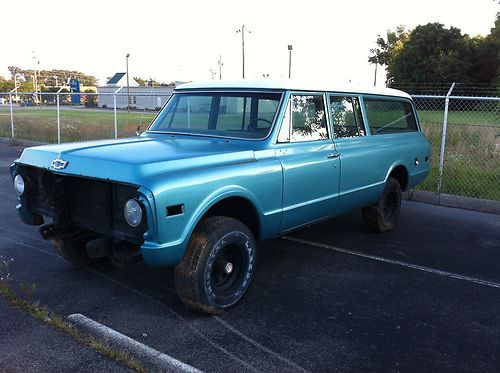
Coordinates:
x,y
46,80
432,53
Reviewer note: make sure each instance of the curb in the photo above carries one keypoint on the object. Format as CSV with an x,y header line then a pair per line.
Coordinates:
x,y
449,200
152,359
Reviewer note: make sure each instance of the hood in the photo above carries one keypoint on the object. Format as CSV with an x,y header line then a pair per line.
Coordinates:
x,y
134,160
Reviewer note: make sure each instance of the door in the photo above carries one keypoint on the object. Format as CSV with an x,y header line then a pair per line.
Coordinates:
x,y
310,162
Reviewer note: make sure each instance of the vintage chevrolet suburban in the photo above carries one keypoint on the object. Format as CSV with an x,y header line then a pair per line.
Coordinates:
x,y
223,165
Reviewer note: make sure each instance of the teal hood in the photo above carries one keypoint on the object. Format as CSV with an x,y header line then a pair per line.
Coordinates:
x,y
135,160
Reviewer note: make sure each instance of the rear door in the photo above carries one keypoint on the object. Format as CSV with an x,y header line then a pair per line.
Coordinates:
x,y
358,154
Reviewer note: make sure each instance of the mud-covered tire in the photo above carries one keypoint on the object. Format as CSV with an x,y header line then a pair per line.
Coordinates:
x,y
383,215
74,249
218,265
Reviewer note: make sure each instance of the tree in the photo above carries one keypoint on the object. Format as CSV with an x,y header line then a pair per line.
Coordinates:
x,y
432,53
494,39
150,82
387,49
53,77
6,85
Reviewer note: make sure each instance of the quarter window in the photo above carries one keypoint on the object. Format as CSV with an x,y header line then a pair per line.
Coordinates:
x,y
346,117
308,118
388,116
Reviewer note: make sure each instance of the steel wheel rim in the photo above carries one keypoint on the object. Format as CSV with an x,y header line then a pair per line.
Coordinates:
x,y
228,271
390,206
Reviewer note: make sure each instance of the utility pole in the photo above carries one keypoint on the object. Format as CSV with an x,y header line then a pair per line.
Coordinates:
x,y
128,84
375,77
242,31
290,48
219,62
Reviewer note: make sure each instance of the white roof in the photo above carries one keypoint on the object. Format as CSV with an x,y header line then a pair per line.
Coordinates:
x,y
291,84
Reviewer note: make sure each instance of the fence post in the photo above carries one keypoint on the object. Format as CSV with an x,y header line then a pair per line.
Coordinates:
x,y
443,139
11,116
59,114
114,111
58,120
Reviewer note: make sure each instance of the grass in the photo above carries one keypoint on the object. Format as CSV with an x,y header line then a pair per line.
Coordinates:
x,y
472,156
55,321
22,299
40,124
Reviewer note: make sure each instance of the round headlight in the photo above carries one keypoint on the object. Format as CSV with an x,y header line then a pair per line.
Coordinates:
x,y
19,185
133,213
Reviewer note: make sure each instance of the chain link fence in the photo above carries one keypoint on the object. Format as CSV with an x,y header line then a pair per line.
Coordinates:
x,y
464,131
465,137
53,118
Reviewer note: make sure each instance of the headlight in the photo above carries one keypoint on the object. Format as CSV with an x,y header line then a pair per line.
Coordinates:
x,y
133,213
19,185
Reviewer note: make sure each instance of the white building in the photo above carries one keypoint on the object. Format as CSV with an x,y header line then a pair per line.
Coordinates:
x,y
141,97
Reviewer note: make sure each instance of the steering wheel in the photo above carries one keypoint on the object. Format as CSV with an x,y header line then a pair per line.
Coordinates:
x,y
252,126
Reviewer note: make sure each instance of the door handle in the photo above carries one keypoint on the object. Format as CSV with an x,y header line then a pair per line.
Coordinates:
x,y
333,155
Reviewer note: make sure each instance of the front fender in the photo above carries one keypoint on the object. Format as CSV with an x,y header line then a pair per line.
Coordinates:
x,y
169,253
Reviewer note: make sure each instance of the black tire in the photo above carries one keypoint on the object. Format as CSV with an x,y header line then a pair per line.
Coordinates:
x,y
74,249
218,265
383,215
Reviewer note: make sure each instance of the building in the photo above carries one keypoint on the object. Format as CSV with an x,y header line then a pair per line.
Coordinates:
x,y
141,97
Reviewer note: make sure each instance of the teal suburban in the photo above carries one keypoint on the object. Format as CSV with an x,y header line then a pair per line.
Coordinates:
x,y
223,166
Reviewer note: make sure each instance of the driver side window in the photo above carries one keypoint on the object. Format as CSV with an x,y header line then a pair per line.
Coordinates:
x,y
305,114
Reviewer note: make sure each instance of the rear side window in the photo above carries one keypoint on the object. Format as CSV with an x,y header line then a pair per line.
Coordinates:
x,y
346,117
390,116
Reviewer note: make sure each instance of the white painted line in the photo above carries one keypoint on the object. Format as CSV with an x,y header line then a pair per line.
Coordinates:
x,y
296,367
140,351
397,262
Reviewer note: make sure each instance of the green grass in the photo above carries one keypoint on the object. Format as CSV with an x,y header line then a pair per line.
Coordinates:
x,y
55,321
40,124
468,118
472,156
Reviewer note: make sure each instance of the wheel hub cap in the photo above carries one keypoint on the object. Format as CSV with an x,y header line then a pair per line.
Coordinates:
x,y
228,268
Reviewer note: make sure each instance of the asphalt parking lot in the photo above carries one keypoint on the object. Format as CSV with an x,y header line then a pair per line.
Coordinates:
x,y
332,297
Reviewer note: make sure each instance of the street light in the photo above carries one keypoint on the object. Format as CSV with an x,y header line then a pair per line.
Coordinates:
x,y
128,84
290,48
242,31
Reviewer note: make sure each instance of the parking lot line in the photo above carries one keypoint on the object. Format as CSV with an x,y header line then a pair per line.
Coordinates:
x,y
228,326
157,359
396,262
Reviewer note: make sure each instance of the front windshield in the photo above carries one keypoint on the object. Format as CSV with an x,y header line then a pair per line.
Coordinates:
x,y
247,115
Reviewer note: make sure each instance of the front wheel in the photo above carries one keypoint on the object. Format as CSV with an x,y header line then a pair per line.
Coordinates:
x,y
217,266
383,215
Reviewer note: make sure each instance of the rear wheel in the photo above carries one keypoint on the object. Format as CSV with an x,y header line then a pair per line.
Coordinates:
x,y
383,215
218,265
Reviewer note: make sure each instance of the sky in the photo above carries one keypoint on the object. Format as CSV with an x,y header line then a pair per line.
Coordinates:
x,y
182,40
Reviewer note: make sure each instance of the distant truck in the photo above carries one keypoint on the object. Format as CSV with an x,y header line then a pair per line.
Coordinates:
x,y
223,165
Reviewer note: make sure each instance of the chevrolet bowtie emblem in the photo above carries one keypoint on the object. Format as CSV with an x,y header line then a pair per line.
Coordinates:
x,y
59,164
